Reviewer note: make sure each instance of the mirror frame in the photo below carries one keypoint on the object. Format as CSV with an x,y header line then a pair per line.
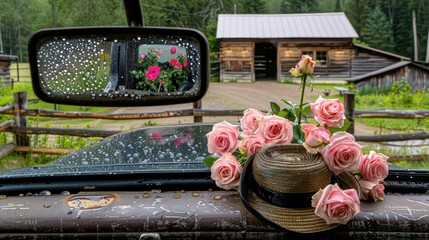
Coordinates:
x,y
42,36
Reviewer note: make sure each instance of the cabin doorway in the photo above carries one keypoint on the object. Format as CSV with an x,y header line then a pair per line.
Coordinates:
x,y
265,62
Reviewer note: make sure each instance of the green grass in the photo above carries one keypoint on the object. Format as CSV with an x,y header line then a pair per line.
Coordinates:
x,y
17,160
6,97
398,97
412,101
413,164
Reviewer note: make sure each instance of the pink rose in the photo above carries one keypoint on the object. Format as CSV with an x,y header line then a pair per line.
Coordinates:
x,y
174,63
371,191
142,56
275,130
250,120
251,144
153,72
315,137
173,50
226,171
328,112
223,138
159,51
335,205
177,142
185,64
374,167
342,154
305,65
155,135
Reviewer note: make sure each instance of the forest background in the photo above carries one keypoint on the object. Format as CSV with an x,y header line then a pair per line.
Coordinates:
x,y
382,24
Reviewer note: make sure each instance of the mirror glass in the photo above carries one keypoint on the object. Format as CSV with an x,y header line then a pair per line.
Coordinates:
x,y
133,66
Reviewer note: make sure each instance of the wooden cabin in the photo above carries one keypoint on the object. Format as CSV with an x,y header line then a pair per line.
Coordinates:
x,y
376,68
5,63
256,47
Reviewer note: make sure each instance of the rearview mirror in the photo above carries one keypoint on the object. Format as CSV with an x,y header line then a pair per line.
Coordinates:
x,y
119,66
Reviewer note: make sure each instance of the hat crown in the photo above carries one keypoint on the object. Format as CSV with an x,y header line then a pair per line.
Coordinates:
x,y
290,169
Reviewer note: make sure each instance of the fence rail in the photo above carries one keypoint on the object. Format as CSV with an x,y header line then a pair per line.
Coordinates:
x,y
19,125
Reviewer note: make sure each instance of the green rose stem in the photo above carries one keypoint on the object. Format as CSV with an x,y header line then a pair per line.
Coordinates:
x,y
303,82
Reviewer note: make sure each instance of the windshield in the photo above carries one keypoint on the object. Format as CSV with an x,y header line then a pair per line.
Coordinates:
x,y
155,149
370,57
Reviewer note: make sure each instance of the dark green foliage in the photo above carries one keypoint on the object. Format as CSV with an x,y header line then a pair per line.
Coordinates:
x,y
357,11
400,93
377,32
385,24
299,6
373,90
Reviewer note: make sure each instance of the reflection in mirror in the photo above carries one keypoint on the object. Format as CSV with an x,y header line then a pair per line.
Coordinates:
x,y
120,69
162,69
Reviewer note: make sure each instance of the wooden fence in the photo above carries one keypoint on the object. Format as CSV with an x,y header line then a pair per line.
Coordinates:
x,y
20,128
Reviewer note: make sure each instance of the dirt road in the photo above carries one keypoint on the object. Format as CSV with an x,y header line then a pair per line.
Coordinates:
x,y
225,96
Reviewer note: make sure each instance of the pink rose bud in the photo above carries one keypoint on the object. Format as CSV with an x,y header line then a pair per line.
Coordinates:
x,y
226,171
374,167
305,65
371,191
335,205
275,130
251,144
173,50
159,51
251,120
294,72
328,112
342,154
223,138
315,137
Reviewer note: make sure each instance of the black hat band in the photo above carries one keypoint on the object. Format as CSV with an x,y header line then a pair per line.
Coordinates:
x,y
286,200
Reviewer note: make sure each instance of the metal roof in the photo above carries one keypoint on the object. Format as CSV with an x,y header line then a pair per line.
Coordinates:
x,y
382,52
380,71
309,25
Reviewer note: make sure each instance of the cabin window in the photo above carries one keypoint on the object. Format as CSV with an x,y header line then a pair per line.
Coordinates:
x,y
309,53
320,56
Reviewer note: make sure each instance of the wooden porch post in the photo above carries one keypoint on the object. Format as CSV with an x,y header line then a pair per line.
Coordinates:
x,y
20,100
198,105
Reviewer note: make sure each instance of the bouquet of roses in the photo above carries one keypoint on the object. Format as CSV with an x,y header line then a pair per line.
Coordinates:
x,y
152,75
231,145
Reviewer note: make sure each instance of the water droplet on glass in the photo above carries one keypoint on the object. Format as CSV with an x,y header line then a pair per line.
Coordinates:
x,y
45,193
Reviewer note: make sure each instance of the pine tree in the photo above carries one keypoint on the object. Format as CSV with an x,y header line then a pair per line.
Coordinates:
x,y
402,28
299,6
377,32
357,11
253,6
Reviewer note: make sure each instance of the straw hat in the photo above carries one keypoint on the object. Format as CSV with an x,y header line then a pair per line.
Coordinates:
x,y
278,182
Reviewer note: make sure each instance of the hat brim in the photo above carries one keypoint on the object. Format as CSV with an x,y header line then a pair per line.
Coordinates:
x,y
301,220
